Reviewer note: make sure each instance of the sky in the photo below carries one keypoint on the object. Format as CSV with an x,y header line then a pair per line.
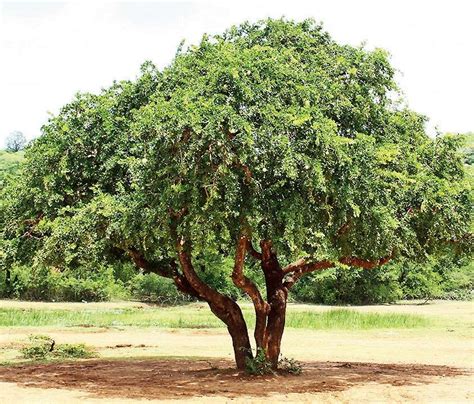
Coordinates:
x,y
50,51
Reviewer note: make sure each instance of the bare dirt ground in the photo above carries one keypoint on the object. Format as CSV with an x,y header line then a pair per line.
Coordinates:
x,y
425,365
171,379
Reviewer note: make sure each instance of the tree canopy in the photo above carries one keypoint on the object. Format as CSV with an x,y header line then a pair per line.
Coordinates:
x,y
270,133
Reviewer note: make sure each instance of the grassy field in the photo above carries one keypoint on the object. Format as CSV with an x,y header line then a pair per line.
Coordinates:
x,y
198,316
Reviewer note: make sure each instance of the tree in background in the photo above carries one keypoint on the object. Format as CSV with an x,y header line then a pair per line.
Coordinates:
x,y
271,145
16,141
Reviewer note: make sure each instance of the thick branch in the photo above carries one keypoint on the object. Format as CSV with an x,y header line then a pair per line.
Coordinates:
x,y
222,306
205,291
252,251
299,268
170,271
266,246
245,284
298,271
365,264
141,262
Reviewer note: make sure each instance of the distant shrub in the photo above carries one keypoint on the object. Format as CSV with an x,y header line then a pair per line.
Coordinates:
x,y
353,286
41,347
458,282
420,281
154,288
79,351
43,283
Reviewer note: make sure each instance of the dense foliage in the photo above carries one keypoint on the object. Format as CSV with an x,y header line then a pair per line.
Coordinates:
x,y
108,156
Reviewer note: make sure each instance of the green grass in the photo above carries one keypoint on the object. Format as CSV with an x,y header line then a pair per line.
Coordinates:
x,y
353,320
199,317
9,162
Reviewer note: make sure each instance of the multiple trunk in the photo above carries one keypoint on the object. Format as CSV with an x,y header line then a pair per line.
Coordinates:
x,y
269,313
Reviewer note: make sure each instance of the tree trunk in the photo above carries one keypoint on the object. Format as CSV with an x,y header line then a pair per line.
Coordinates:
x,y
275,325
231,315
277,295
8,282
222,306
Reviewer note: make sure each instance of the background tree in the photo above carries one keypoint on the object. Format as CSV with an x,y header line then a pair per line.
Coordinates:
x,y
271,145
16,141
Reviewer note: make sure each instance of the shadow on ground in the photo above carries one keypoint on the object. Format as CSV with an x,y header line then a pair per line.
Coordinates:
x,y
167,379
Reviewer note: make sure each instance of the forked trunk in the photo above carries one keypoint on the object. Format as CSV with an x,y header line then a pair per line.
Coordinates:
x,y
277,295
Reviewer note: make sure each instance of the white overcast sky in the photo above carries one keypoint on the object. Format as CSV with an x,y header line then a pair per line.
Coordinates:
x,y
50,51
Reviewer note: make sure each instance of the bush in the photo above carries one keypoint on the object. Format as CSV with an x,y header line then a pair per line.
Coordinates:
x,y
348,286
43,347
154,288
259,365
39,347
291,366
458,281
40,283
79,351
420,281
43,283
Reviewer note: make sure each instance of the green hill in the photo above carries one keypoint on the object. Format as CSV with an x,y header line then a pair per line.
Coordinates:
x,y
9,163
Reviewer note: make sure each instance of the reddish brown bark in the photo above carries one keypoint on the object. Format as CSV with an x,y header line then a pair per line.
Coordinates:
x,y
222,306
277,295
245,284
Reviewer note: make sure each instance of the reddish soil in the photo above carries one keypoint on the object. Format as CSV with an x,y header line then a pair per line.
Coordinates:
x,y
168,379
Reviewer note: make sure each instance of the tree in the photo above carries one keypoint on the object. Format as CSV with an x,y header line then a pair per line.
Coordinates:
x,y
271,144
16,141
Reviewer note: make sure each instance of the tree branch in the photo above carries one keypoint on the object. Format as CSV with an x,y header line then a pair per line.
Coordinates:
x,y
204,290
299,268
170,271
252,251
140,261
262,308
266,246
297,271
365,264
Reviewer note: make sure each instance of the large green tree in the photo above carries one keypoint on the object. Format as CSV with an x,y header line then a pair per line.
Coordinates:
x,y
271,143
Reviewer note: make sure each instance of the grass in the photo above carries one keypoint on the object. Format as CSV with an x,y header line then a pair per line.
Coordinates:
x,y
353,320
193,316
9,162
